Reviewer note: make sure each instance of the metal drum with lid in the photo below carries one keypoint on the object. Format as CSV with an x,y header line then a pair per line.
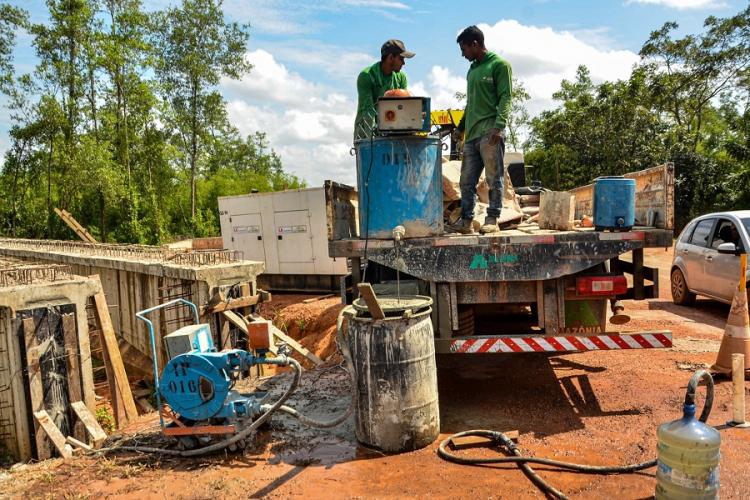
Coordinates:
x,y
396,375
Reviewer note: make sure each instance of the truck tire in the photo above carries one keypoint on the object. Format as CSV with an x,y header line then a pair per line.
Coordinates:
x,y
680,293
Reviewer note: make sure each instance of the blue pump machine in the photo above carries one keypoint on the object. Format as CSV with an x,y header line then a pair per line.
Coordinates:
x,y
197,381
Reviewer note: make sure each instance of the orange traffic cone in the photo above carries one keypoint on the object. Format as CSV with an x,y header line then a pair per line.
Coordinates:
x,y
737,332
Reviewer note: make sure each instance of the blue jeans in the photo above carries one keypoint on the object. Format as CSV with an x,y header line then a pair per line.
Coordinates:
x,y
478,155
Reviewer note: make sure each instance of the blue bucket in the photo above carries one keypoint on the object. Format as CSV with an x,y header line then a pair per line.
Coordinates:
x,y
400,183
614,203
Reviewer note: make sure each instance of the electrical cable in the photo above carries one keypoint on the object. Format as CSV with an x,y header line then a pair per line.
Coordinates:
x,y
522,461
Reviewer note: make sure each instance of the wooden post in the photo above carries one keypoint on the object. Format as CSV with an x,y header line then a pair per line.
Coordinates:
x,y
36,393
75,393
738,390
367,293
49,428
125,410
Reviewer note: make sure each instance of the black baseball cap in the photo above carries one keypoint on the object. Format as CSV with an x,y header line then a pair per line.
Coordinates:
x,y
395,47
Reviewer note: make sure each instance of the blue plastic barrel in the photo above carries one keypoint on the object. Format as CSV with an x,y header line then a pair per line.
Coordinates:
x,y
614,203
400,183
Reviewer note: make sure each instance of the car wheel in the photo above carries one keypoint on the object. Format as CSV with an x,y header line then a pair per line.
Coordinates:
x,y
680,293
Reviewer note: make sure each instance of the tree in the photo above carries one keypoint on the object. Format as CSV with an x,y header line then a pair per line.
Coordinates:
x,y
519,115
196,49
11,18
686,74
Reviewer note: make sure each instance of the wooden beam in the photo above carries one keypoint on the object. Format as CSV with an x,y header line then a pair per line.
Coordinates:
x,y
93,428
296,346
73,224
53,433
77,444
75,391
36,392
119,384
315,299
242,323
367,293
230,304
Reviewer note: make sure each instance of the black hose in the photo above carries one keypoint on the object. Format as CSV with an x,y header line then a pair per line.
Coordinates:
x,y
229,441
344,348
522,462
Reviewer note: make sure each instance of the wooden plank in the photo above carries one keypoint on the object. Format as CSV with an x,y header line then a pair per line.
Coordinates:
x,y
36,392
109,345
242,323
95,430
367,293
75,391
316,299
205,429
77,444
24,435
230,304
296,346
145,405
53,433
73,224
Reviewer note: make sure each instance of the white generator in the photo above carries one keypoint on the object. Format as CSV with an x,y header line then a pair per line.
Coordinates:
x,y
286,230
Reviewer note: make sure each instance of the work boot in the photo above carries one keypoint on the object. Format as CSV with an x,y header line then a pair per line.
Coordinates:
x,y
462,226
489,226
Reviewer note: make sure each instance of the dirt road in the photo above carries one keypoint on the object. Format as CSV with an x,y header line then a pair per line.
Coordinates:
x,y
596,407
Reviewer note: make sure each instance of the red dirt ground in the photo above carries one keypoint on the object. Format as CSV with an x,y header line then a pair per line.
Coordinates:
x,y
596,407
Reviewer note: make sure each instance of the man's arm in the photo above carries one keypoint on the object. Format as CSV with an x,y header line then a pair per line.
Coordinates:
x,y
365,102
503,77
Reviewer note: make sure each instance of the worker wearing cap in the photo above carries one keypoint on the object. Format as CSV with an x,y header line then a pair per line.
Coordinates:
x,y
374,81
487,110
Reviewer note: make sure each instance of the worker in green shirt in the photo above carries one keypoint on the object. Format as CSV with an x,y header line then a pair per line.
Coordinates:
x,y
376,80
483,124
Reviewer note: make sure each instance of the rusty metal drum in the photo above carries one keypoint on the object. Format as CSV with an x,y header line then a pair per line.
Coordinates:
x,y
396,375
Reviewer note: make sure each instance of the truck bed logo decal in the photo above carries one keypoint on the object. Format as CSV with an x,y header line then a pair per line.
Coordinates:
x,y
481,262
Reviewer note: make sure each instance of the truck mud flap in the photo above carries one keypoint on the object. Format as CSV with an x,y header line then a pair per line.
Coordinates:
x,y
562,343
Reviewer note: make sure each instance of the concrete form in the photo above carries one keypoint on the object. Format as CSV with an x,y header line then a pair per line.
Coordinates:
x,y
45,357
136,277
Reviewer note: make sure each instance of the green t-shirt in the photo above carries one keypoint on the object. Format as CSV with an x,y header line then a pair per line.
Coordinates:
x,y
371,84
488,88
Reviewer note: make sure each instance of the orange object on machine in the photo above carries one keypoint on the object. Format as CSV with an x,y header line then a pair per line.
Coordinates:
x,y
259,334
397,93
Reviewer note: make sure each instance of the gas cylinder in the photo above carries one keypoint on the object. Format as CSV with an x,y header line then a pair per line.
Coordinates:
x,y
688,455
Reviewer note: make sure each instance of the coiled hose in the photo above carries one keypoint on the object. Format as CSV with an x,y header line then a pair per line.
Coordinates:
x,y
522,461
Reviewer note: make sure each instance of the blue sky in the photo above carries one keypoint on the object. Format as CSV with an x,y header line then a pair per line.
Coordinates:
x,y
307,55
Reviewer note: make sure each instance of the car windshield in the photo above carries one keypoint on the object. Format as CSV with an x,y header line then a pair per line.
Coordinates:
x,y
746,223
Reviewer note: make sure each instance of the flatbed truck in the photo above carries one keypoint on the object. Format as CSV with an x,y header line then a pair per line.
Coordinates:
x,y
520,290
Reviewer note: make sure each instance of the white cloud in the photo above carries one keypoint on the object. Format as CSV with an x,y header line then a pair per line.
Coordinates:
x,y
681,4
380,4
542,57
308,124
316,55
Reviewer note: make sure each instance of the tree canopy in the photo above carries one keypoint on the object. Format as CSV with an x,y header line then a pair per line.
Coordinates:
x,y
121,122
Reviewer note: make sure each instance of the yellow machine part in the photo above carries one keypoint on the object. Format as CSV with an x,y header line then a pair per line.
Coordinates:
x,y
446,117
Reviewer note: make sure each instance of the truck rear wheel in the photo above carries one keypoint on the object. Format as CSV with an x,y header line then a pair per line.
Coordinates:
x,y
680,293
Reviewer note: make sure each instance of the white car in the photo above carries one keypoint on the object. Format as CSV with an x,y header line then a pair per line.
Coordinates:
x,y
699,268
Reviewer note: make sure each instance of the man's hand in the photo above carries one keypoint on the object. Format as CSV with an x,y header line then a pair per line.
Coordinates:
x,y
457,134
495,136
